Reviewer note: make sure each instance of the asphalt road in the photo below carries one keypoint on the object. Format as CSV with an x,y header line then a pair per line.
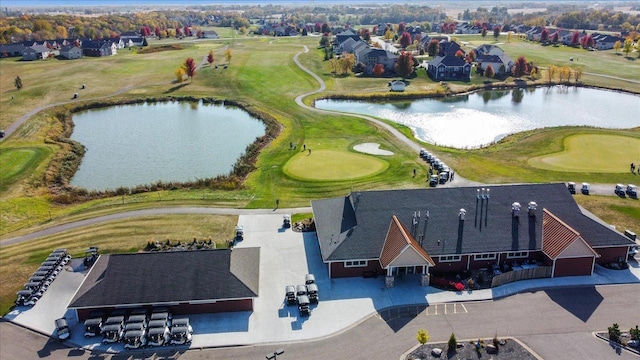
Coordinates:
x,y
556,324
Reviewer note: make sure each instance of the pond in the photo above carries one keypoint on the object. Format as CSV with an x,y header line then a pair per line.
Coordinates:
x,y
482,118
131,145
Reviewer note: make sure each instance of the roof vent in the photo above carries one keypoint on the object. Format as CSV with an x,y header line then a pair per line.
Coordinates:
x,y
532,208
462,213
487,193
478,194
515,209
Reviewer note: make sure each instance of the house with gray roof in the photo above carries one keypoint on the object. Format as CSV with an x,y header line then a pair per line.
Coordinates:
x,y
35,52
455,229
12,50
371,56
188,282
449,67
70,52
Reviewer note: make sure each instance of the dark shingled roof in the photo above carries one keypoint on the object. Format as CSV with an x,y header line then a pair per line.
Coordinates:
x,y
163,277
354,227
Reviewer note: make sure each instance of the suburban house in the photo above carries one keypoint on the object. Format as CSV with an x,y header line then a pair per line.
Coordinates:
x,y
209,34
12,50
349,46
71,52
493,55
450,230
371,56
606,42
35,52
347,34
449,48
99,48
188,282
449,67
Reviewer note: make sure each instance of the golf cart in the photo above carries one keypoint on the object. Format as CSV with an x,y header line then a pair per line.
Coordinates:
x,y
301,290
444,177
312,291
90,256
180,335
62,329
303,304
433,180
159,336
92,327
239,233
572,187
290,294
286,221
585,188
309,279
632,191
620,190
134,339
111,333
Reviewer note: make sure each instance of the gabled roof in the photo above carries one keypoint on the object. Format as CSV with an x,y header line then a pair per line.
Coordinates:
x,y
170,277
354,226
38,48
558,237
397,241
449,60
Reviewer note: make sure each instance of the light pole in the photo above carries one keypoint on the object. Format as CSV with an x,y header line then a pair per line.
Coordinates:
x,y
274,355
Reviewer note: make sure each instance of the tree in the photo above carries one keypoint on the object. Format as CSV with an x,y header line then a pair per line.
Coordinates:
x,y
520,68
555,37
496,32
509,36
535,73
179,75
347,61
488,72
210,58
575,38
227,55
628,46
378,70
423,338
433,48
401,27
190,68
484,32
635,333
551,72
460,54
577,74
617,45
18,82
452,344
405,40
404,64
334,66
614,333
544,35
587,41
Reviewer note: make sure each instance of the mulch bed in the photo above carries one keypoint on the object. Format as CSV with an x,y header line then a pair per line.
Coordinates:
x,y
511,350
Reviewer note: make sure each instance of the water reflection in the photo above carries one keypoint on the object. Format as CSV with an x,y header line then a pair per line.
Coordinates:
x,y
478,119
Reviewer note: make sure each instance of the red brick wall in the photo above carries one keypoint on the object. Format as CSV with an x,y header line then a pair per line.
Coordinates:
x,y
573,267
338,269
445,267
611,254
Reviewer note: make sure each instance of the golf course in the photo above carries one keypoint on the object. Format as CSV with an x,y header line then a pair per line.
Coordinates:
x,y
312,155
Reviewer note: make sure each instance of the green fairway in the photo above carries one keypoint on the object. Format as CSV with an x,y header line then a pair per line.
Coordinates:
x,y
16,162
333,165
592,153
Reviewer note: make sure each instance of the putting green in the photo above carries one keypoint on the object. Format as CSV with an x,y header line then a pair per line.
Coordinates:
x,y
330,165
15,162
592,153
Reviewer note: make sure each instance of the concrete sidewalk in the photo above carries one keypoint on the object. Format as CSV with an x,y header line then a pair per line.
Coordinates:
x,y
285,258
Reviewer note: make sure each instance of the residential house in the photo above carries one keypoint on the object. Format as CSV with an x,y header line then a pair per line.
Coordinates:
x,y
449,48
493,55
12,50
209,34
98,48
35,52
606,42
349,46
347,34
449,68
70,52
370,57
455,229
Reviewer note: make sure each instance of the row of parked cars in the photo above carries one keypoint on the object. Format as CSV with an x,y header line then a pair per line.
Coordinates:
x,y
139,327
303,295
442,171
42,278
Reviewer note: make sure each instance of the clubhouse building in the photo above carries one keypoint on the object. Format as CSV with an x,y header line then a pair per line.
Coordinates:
x,y
456,229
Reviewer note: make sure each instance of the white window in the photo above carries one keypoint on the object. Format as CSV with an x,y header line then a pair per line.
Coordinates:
x,y
517,254
356,263
484,257
450,258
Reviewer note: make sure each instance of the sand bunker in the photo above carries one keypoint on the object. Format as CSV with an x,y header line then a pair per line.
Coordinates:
x,y
372,148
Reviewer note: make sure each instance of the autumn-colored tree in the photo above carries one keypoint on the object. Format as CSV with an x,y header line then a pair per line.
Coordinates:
x,y
535,73
178,32
404,64
378,70
483,33
423,338
496,32
473,55
388,35
577,73
401,27
334,66
228,54
488,72
551,72
509,36
325,28
575,38
544,35
520,68
628,46
365,34
460,54
587,41
433,48
190,68
405,40
617,45
555,37
179,75
347,61
210,58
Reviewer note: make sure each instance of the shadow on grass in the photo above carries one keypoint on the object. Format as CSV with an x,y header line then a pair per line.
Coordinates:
x,y
175,88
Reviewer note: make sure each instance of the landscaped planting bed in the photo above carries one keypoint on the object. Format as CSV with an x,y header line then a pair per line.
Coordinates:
x,y
510,349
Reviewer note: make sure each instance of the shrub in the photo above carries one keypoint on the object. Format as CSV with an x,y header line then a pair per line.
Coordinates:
x,y
495,341
635,333
614,333
459,286
452,344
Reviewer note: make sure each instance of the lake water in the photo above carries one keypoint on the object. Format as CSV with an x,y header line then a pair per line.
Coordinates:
x,y
130,145
482,118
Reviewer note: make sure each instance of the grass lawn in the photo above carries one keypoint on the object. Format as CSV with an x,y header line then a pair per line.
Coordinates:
x,y
332,165
591,153
18,162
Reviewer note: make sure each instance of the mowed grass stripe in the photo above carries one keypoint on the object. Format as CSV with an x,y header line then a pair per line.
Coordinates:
x,y
17,162
592,153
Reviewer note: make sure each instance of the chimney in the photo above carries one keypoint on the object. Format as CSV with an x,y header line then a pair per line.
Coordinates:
x,y
515,209
532,208
462,213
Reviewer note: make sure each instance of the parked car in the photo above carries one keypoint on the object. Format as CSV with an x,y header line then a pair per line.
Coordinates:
x,y
111,333
303,305
572,187
290,294
92,327
309,279
134,339
585,188
433,180
632,191
312,291
619,190
62,329
158,336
